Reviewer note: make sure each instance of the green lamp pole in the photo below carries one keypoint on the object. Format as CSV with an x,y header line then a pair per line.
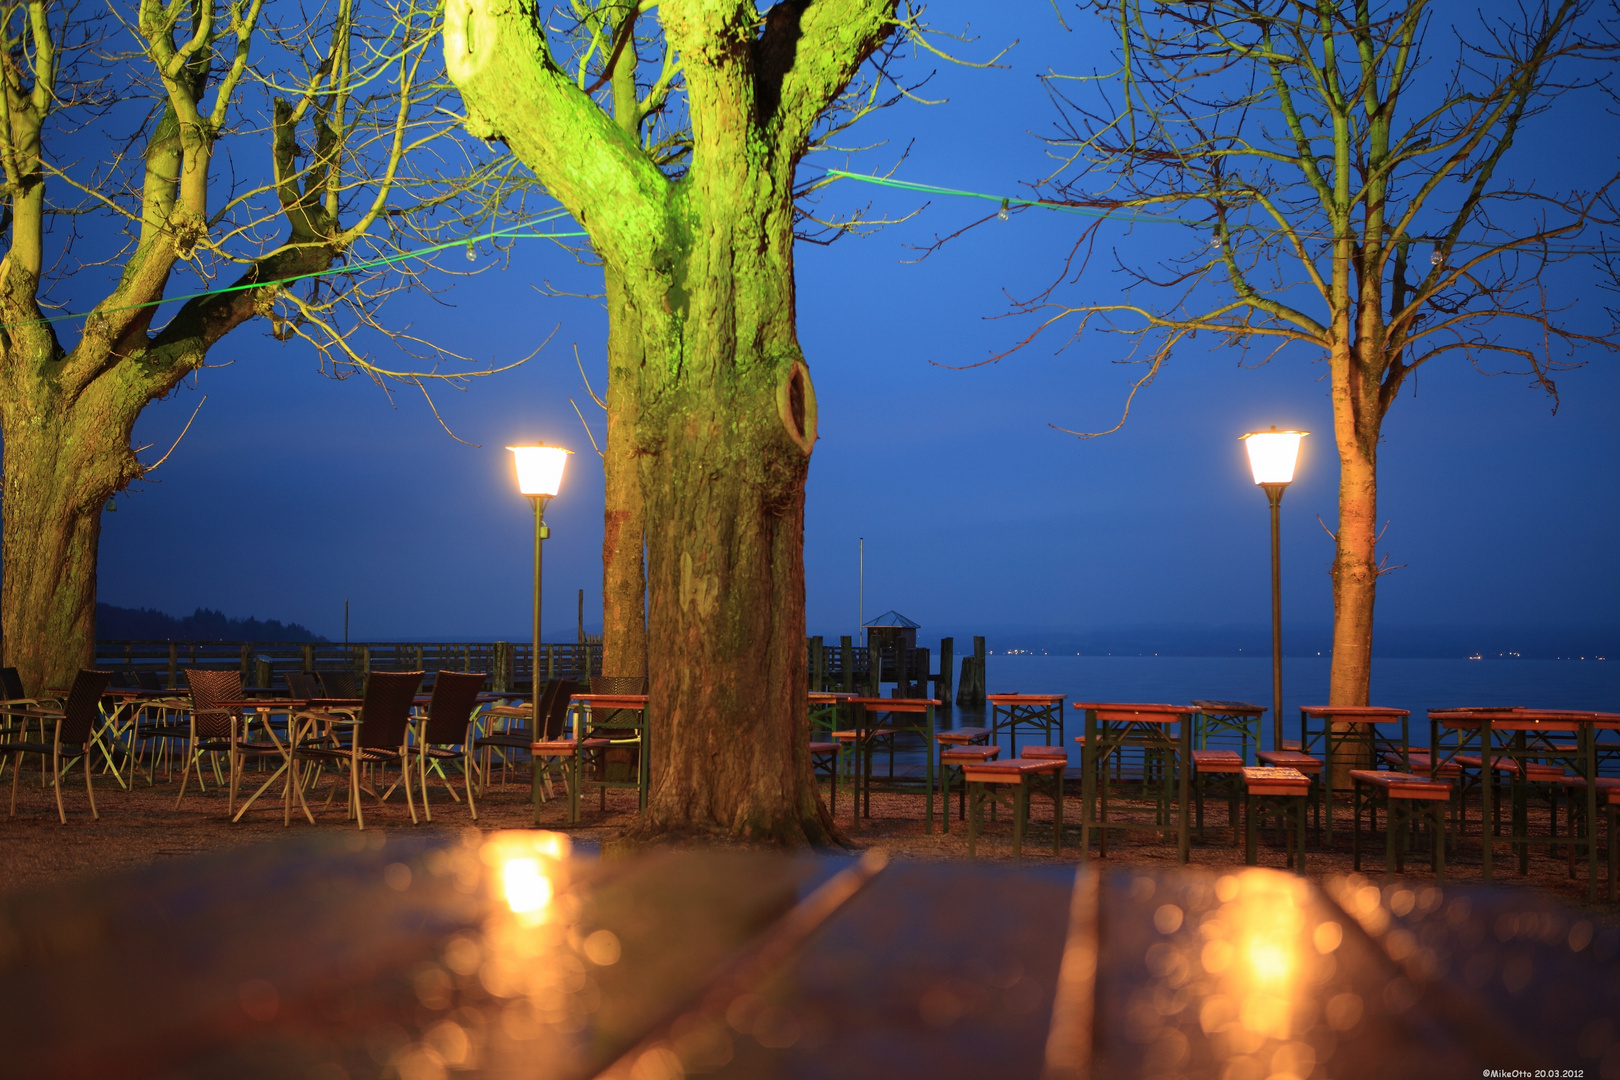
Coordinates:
x,y
539,473
1272,457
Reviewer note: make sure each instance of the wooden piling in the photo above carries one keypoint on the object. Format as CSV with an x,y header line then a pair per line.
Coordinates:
x,y
971,690
942,681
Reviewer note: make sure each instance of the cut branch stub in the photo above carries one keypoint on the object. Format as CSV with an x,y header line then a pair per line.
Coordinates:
x,y
796,406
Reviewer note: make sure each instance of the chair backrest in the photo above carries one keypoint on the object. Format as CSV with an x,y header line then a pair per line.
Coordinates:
x,y
616,684
11,683
343,684
208,689
455,696
554,707
302,684
387,708
82,712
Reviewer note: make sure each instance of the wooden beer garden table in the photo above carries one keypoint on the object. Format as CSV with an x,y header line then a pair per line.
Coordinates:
x,y
585,729
1522,735
921,714
1111,726
1360,727
1037,712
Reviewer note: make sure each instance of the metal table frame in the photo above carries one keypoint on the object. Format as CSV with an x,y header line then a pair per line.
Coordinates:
x,y
1035,712
1361,727
1482,728
863,709
1225,718
1111,726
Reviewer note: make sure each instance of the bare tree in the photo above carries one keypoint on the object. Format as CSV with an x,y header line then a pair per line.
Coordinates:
x,y
219,146
676,145
1349,188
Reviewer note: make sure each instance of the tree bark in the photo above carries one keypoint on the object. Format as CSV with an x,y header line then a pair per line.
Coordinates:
x,y
63,462
624,589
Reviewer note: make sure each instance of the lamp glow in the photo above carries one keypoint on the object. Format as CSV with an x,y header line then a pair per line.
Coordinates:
x,y
540,469
1273,454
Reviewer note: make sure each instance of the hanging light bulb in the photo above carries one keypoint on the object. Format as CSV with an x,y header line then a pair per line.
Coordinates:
x,y
472,253
1435,258
1002,213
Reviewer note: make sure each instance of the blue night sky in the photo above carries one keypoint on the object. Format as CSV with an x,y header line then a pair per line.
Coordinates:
x,y
293,492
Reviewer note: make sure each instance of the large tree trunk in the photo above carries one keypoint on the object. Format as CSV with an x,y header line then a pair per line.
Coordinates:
x,y
725,454
1356,421
624,590
725,415
63,462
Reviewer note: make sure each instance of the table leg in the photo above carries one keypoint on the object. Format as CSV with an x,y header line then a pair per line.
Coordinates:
x,y
1057,816
928,780
1327,776
1487,787
1182,767
1088,783
1587,739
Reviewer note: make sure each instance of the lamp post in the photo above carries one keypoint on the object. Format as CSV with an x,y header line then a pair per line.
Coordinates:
x,y
539,473
1272,457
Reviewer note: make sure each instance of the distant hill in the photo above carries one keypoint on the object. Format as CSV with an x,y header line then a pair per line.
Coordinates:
x,y
146,624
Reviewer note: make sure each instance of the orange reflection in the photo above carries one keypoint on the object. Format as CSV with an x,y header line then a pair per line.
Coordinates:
x,y
526,867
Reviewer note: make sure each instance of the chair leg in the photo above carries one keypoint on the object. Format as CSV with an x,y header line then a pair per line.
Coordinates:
x,y
421,761
56,782
405,775
89,785
467,775
356,810
16,770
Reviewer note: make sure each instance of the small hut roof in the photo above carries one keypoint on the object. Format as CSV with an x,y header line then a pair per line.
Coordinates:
x,y
892,619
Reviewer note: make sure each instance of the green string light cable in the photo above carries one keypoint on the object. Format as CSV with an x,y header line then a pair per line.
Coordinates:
x,y
510,233
1007,201
1004,200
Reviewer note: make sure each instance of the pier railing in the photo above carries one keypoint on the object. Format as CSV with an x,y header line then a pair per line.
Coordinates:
x,y
511,664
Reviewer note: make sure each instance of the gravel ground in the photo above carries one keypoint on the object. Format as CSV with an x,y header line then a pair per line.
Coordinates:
x,y
144,826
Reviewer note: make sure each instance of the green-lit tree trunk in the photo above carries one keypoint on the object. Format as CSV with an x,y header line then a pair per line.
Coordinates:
x,y
624,589
724,415
64,460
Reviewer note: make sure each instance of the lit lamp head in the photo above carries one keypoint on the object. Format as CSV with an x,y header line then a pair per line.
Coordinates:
x,y
539,469
1273,455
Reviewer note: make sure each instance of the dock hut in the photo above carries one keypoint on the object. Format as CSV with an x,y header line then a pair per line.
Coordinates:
x,y
889,630
891,644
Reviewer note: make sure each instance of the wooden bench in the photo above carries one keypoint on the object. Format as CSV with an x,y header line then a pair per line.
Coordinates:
x,y
951,760
1291,757
1608,798
1020,774
1220,763
1402,795
1285,789
962,736
1531,772
1423,764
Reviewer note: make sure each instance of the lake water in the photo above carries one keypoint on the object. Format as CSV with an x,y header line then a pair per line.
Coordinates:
x,y
1417,685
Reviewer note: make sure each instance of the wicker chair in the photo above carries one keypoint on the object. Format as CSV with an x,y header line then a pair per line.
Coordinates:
x,y
341,684
554,697
448,723
74,730
377,735
220,729
303,684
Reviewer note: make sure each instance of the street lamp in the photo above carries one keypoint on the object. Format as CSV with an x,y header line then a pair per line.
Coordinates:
x,y
1272,457
539,474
